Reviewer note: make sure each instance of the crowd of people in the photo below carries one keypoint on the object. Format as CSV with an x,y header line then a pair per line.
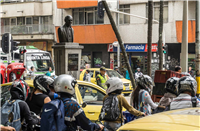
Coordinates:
x,y
180,93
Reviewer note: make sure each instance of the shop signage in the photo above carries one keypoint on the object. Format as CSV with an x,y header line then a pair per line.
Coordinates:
x,y
133,48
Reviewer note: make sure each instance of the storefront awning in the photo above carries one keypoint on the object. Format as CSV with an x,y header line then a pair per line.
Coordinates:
x,y
191,31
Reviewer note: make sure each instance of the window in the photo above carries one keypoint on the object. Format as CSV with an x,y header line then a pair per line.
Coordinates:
x,y
86,16
124,19
20,20
156,11
13,21
91,95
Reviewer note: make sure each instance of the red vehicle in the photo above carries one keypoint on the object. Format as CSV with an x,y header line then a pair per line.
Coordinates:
x,y
14,71
3,73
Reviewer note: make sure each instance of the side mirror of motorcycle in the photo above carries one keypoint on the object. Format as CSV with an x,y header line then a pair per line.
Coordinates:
x,y
84,104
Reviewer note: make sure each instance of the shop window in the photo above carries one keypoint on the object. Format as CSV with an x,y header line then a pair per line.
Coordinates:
x,y
156,11
86,16
124,19
72,62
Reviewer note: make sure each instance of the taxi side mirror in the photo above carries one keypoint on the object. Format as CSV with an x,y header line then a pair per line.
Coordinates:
x,y
84,104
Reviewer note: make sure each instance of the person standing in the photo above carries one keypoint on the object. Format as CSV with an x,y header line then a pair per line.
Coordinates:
x,y
101,78
127,75
178,69
138,73
190,71
31,72
117,69
49,72
87,77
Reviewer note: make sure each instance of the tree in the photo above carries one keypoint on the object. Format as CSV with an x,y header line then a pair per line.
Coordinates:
x,y
160,36
149,37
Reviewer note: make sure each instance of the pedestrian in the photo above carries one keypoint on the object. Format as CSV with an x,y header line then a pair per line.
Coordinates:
x,y
127,75
49,71
190,71
102,78
117,69
87,66
113,104
74,114
138,73
178,69
187,88
171,93
141,95
88,76
32,73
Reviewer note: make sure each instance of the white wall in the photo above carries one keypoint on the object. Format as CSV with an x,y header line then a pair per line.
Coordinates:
x,y
28,8
136,31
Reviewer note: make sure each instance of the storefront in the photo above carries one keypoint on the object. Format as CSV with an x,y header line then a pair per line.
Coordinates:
x,y
137,54
95,55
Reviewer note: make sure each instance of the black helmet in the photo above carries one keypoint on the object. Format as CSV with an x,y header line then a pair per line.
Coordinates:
x,y
20,86
43,82
170,85
145,82
187,83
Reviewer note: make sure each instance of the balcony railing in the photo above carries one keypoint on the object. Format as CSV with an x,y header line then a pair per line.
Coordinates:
x,y
28,29
19,1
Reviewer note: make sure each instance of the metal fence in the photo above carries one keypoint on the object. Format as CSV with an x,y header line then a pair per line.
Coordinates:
x,y
28,29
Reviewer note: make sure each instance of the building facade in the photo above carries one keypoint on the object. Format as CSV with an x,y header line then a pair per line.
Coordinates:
x,y
31,22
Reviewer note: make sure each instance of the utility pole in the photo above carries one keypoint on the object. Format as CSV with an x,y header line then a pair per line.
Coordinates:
x,y
160,36
197,47
118,47
149,37
120,41
184,46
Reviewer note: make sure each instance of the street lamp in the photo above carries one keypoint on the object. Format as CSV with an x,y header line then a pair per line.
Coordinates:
x,y
116,44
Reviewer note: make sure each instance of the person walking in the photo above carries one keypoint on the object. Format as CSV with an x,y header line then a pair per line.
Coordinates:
x,y
87,77
190,71
101,78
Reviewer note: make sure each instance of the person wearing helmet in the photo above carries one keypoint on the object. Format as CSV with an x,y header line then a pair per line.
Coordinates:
x,y
138,73
187,88
102,78
141,95
171,93
64,85
115,87
39,96
117,69
19,91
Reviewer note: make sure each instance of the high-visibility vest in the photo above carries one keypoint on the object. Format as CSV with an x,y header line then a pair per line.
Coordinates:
x,y
103,81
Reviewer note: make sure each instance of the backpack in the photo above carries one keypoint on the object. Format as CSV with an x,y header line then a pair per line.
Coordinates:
x,y
110,110
10,114
53,116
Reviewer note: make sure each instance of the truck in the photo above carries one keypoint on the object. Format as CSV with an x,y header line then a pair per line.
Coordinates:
x,y
40,60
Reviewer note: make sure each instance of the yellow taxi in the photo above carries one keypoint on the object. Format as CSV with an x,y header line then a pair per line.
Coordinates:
x,y
182,120
85,92
111,73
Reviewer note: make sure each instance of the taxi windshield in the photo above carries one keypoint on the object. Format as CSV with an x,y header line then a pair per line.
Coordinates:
x,y
40,61
112,73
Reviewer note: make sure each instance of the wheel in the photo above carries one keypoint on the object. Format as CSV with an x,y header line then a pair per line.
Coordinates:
x,y
127,94
12,77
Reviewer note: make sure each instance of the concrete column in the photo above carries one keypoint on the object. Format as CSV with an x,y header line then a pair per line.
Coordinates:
x,y
184,46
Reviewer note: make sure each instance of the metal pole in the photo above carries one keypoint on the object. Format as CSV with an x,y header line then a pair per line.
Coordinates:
x,y
9,53
160,36
197,46
118,47
184,46
120,42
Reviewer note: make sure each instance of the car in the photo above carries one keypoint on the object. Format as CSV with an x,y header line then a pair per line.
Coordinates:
x,y
182,120
85,93
127,89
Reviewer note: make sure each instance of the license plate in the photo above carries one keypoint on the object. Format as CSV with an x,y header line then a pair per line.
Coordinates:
x,y
127,88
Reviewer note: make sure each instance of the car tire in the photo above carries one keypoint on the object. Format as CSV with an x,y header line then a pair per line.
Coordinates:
x,y
127,94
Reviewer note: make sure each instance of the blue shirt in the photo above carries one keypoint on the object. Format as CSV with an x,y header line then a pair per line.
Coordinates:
x,y
48,73
127,75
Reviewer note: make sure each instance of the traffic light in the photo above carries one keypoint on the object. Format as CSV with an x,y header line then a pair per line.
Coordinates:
x,y
100,10
22,51
5,42
165,49
21,55
14,45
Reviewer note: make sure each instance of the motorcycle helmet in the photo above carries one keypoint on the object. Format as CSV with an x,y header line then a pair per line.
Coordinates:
x,y
187,83
114,84
145,82
170,85
22,87
42,82
65,84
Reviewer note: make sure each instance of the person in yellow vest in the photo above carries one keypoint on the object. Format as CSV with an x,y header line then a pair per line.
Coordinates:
x,y
101,78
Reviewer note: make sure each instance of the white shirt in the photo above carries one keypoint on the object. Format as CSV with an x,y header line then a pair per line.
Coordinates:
x,y
182,101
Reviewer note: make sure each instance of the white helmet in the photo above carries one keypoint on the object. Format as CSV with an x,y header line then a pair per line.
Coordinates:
x,y
65,84
113,84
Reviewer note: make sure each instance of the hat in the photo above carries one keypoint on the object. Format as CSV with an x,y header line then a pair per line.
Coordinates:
x,y
102,68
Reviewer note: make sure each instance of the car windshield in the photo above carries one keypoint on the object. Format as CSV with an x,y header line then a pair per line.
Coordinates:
x,y
40,61
112,73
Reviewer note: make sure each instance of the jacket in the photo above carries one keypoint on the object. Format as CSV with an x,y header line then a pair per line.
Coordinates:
x,y
182,101
127,75
128,107
167,99
88,78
